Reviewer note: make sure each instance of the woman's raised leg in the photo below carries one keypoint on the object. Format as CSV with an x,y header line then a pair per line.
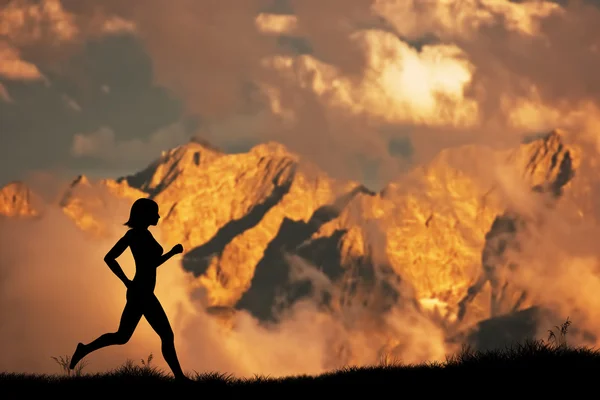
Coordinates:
x,y
132,313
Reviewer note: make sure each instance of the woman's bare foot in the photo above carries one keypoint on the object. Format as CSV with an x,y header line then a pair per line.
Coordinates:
x,y
77,356
183,378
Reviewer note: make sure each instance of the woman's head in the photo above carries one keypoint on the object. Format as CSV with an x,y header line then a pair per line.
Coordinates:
x,y
144,212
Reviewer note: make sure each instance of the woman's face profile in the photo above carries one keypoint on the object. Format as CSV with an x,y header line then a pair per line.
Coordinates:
x,y
155,216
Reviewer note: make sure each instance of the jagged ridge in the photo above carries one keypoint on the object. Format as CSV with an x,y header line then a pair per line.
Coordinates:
x,y
241,216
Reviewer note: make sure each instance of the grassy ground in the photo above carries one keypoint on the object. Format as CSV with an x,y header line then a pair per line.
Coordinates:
x,y
531,364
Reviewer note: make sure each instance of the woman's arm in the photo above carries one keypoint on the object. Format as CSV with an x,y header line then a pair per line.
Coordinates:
x,y
111,258
165,257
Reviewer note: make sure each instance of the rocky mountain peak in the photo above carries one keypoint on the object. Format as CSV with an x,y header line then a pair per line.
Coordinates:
x,y
550,161
185,159
271,149
18,200
80,180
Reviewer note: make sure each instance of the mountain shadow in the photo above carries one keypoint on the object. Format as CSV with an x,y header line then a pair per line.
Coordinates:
x,y
271,289
506,330
198,259
518,327
355,278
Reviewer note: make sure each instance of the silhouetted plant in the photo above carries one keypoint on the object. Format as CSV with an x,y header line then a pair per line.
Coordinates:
x,y
146,364
559,338
63,362
146,369
214,377
466,353
387,360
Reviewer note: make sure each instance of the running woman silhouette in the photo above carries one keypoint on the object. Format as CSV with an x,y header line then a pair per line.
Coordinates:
x,y
141,300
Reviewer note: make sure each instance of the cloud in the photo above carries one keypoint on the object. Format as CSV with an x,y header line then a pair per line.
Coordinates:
x,y
31,31
116,25
24,22
487,72
43,32
94,143
475,70
12,67
277,24
402,85
465,19
455,72
71,103
104,145
211,73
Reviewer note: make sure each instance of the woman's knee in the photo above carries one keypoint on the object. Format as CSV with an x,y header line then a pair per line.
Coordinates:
x,y
167,336
121,337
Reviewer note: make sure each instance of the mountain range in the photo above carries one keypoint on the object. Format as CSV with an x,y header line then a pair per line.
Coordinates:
x,y
438,238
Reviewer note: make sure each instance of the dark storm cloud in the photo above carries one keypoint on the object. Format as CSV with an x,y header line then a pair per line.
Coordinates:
x,y
109,83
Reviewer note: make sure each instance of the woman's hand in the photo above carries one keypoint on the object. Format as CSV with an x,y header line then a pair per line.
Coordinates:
x,y
177,249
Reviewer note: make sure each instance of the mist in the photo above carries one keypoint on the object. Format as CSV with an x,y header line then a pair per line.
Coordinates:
x,y
557,260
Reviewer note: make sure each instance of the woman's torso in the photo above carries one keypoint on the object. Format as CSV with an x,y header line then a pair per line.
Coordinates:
x,y
146,252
